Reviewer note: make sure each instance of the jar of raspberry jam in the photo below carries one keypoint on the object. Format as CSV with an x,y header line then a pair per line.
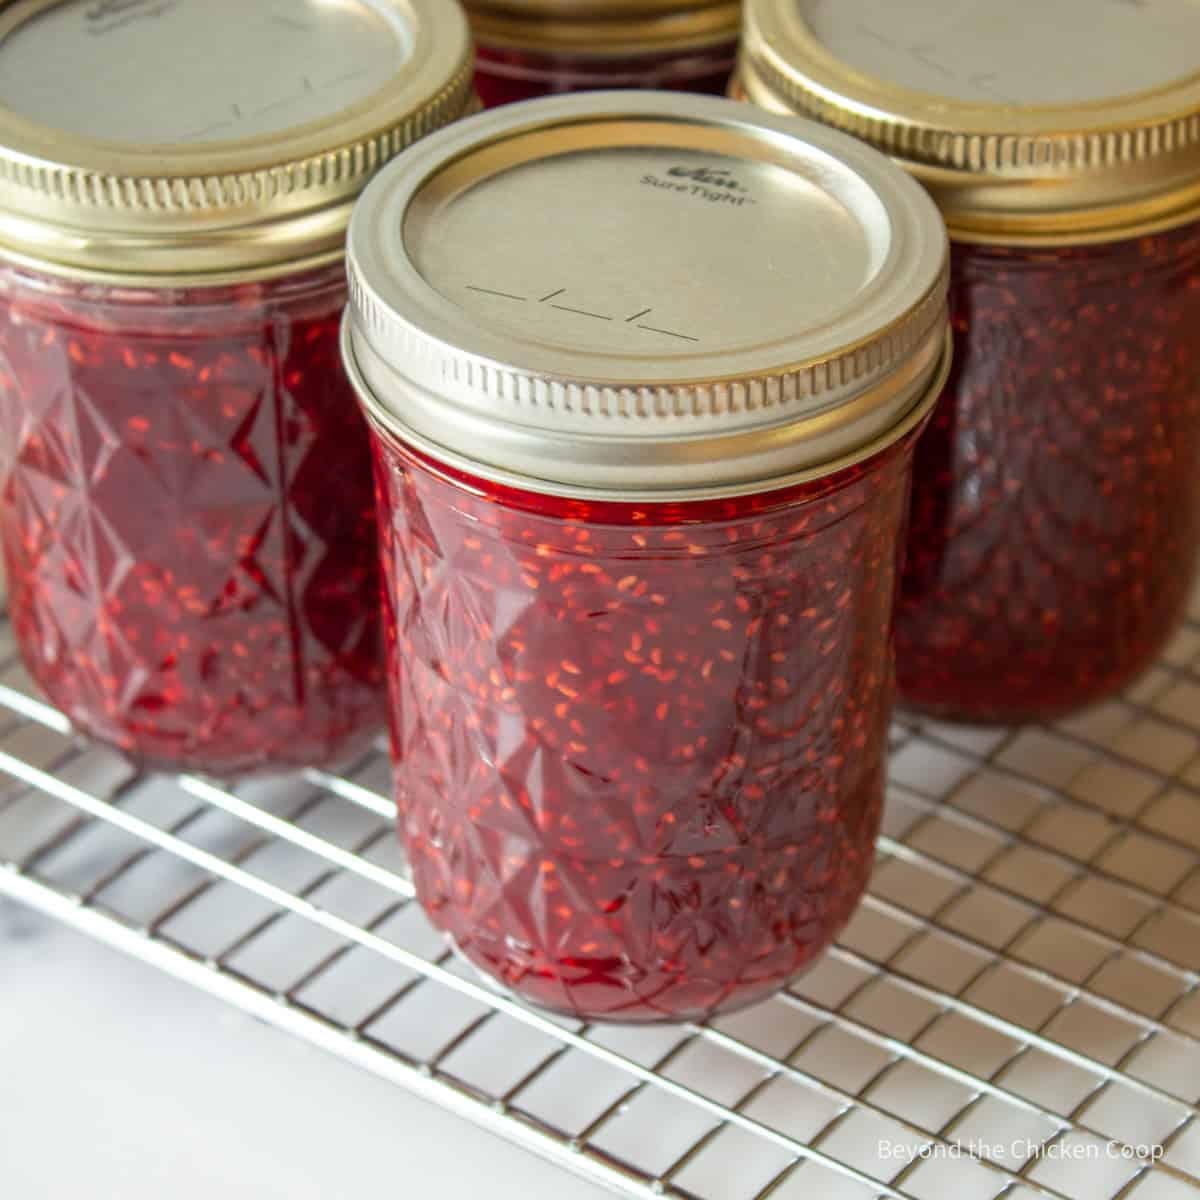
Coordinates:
x,y
531,48
185,502
644,374
1056,508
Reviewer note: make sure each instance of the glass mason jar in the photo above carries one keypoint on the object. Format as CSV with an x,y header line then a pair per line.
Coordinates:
x,y
530,48
642,487
173,414
1056,511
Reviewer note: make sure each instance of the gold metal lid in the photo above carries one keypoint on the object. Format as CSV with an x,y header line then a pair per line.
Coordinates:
x,y
160,140
601,27
1029,121
645,294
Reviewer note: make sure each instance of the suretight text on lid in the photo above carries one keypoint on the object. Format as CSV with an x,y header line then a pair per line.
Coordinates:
x,y
646,292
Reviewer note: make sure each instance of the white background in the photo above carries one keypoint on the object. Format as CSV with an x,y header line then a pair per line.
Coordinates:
x,y
119,1082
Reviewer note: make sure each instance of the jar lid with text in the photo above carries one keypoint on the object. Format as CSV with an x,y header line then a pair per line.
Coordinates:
x,y
159,140
646,293
1030,122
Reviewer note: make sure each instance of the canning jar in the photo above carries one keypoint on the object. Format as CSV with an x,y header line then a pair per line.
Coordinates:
x,y
643,447
1056,512
531,48
185,500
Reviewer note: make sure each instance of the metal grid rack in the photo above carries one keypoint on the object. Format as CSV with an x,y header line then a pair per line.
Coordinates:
x,y
1022,982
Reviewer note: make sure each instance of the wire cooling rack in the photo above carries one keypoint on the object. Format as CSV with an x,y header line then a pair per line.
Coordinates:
x,y
1014,1012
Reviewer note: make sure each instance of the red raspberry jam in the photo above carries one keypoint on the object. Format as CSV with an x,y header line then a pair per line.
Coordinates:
x,y
180,583
186,507
640,747
641,524
503,76
530,48
1056,495
1056,514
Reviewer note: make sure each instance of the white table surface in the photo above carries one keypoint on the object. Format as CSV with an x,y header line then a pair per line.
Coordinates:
x,y
119,1082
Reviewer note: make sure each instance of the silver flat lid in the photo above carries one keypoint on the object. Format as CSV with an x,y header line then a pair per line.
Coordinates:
x,y
644,292
1024,52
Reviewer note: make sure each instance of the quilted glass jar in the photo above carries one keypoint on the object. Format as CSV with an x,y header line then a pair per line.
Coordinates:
x,y
173,414
531,48
642,485
1056,511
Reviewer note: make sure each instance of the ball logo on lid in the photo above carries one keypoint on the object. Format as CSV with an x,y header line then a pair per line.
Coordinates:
x,y
712,176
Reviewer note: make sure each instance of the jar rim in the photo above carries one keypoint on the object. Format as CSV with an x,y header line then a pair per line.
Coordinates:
x,y
387,422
